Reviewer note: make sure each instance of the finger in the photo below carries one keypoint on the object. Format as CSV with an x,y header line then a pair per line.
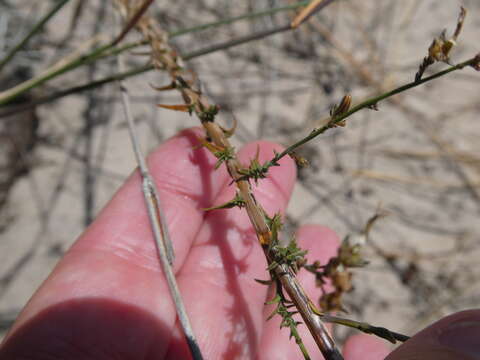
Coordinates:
x,y
113,266
322,244
365,347
453,337
224,301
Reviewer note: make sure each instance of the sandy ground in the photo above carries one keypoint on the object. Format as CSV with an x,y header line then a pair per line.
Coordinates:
x,y
419,157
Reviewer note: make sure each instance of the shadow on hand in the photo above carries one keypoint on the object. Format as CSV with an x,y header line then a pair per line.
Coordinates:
x,y
90,328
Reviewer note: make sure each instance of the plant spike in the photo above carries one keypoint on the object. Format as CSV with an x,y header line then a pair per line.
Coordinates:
x,y
237,201
164,57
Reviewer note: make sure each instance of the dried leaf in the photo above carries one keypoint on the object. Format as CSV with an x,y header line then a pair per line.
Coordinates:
x,y
181,107
170,86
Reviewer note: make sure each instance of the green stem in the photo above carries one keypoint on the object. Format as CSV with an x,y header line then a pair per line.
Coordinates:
x,y
241,40
101,52
7,96
238,18
80,88
38,26
110,49
382,332
366,104
10,94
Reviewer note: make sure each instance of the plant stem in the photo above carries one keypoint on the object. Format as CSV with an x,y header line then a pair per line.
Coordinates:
x,y
111,49
69,63
282,272
382,332
159,226
302,303
102,52
366,104
313,7
238,41
238,18
77,89
166,58
38,26
7,96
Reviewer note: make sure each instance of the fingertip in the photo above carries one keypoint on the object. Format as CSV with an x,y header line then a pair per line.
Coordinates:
x,y
363,347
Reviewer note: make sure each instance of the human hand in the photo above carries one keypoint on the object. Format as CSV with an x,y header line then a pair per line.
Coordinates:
x,y
107,298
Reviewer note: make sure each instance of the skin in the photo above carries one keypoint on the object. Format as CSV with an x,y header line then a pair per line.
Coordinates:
x,y
107,298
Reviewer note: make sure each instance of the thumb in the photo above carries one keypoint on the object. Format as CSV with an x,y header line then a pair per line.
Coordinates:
x,y
454,337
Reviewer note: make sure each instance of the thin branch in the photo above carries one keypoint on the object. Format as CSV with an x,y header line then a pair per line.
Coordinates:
x,y
166,58
110,49
32,32
369,103
77,89
312,8
159,225
68,63
238,41
7,96
232,20
382,332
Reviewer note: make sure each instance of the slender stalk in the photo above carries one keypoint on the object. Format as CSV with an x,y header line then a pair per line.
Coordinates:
x,y
373,101
69,63
282,272
382,332
232,20
159,225
111,49
314,322
164,57
7,96
156,213
312,8
241,40
38,26
77,89
131,22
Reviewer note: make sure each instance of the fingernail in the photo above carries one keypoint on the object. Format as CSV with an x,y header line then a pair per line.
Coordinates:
x,y
463,337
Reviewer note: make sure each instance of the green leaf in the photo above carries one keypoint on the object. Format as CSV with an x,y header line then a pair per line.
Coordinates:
x,y
237,201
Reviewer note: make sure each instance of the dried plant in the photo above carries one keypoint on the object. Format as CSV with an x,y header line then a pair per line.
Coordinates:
x,y
284,259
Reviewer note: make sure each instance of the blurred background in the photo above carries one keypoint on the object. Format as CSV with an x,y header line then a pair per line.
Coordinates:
x,y
417,157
